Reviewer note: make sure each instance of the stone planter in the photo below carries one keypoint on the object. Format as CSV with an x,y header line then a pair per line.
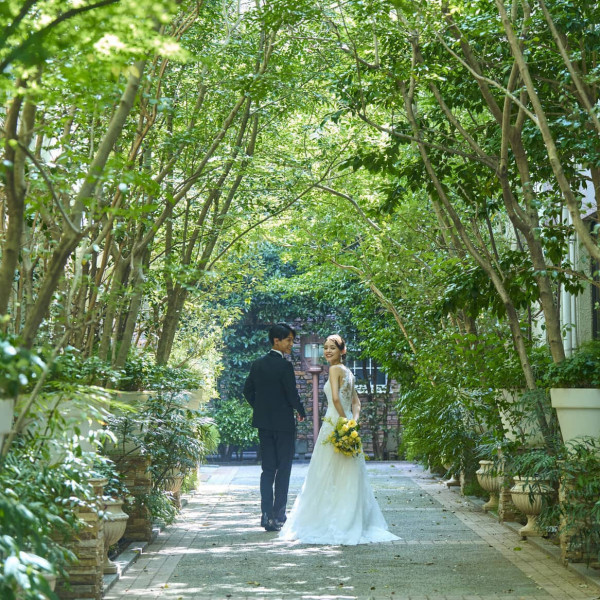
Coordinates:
x,y
301,447
114,528
174,481
578,411
527,494
7,407
194,399
489,482
452,481
527,431
124,446
85,575
51,579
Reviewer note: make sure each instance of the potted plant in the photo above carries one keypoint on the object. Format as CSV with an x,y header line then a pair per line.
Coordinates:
x,y
115,518
575,391
517,410
527,495
18,368
490,481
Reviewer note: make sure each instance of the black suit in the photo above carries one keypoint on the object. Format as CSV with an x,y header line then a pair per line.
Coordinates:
x,y
271,391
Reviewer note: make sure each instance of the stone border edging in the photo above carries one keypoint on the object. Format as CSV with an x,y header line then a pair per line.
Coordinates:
x,y
590,575
125,559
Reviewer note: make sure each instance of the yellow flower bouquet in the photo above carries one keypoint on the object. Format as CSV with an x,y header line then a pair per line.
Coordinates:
x,y
345,437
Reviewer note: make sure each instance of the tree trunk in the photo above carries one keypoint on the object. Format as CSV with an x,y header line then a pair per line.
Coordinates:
x,y
542,123
15,191
175,303
134,310
71,239
511,312
119,274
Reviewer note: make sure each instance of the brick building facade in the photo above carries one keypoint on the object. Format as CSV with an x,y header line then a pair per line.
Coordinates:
x,y
304,359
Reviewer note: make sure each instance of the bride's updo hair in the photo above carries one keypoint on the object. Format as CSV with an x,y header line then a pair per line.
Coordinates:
x,y
338,340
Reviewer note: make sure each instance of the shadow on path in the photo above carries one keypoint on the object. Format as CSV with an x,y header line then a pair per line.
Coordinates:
x,y
448,550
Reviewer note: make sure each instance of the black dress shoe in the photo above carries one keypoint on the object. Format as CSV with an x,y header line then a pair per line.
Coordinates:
x,y
278,524
264,519
271,525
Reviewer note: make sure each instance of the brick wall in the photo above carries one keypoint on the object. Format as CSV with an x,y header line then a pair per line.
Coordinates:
x,y
304,381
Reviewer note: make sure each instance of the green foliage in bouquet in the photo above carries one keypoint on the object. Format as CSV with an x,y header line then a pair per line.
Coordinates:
x,y
345,437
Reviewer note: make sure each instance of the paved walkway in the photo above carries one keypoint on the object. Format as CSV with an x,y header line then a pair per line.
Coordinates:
x,y
449,550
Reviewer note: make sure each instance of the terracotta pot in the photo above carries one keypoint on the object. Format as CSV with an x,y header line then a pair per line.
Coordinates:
x,y
114,528
489,482
527,494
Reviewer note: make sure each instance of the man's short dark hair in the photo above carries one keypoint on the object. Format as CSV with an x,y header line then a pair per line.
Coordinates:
x,y
280,331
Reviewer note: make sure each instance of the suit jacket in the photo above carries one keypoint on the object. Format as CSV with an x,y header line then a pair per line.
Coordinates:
x,y
271,391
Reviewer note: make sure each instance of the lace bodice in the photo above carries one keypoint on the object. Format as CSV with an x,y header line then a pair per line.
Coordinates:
x,y
346,393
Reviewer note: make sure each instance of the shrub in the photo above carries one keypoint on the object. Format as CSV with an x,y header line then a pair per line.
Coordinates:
x,y
233,419
582,370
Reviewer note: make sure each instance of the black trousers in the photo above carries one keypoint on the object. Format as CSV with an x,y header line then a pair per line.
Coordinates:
x,y
277,453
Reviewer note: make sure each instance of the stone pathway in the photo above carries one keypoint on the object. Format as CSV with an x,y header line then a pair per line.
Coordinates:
x,y
449,550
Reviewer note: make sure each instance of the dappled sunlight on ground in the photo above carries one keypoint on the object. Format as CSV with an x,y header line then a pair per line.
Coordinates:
x,y
217,550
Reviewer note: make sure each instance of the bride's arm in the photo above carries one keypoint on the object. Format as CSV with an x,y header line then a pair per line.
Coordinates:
x,y
355,405
335,374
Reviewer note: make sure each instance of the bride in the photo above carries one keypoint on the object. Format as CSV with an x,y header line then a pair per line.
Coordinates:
x,y
336,504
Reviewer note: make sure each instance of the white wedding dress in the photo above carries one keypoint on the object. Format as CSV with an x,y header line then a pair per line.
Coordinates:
x,y
336,504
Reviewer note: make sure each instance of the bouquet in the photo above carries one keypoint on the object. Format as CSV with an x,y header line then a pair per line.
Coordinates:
x,y
345,437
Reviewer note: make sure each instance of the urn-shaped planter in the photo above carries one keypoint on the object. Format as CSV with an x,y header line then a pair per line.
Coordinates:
x,y
51,579
174,480
452,481
527,494
114,528
578,412
489,482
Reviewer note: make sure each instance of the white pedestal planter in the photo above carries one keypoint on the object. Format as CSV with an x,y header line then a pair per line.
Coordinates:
x,y
114,528
578,411
51,579
452,481
301,447
527,494
194,399
7,407
490,483
527,430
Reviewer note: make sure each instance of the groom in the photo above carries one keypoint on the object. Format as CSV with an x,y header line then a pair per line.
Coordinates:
x,y
271,391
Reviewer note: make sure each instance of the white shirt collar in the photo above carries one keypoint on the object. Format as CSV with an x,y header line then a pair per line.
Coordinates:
x,y
278,352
